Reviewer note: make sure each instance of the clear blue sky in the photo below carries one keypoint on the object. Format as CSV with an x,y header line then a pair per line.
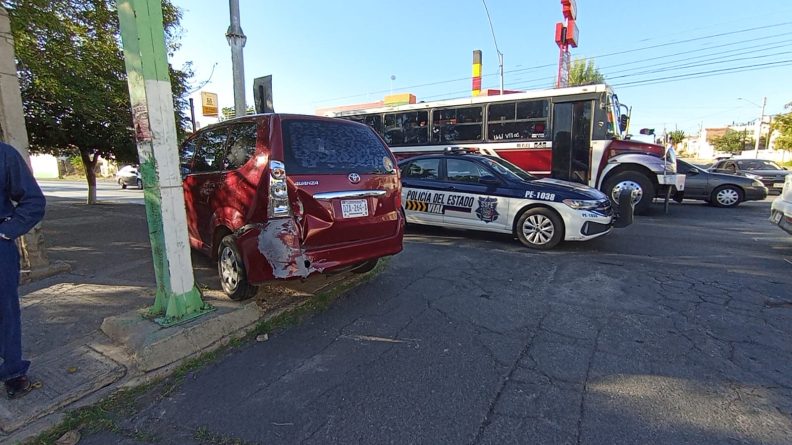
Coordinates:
x,y
326,53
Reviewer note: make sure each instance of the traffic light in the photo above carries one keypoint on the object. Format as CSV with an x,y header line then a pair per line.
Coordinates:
x,y
647,131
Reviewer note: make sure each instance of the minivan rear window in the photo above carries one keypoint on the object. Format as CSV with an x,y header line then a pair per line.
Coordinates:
x,y
333,147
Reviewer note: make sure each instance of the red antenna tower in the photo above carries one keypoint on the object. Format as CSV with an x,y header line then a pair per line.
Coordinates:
x,y
566,35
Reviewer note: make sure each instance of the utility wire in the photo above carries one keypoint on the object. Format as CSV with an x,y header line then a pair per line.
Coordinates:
x,y
633,50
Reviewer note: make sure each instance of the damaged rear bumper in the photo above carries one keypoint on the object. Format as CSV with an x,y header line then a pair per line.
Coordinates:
x,y
273,251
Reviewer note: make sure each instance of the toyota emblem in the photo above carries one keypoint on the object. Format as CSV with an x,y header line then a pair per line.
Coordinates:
x,y
354,178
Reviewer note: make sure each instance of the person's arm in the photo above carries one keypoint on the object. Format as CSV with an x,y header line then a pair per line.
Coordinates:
x,y
23,189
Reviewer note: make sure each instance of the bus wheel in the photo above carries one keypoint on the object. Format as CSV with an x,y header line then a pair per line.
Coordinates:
x,y
642,189
539,228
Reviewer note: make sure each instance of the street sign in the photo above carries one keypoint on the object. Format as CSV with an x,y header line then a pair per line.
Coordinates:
x,y
209,104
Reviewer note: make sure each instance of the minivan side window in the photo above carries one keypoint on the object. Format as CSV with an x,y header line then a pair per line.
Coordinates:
x,y
186,155
241,145
211,151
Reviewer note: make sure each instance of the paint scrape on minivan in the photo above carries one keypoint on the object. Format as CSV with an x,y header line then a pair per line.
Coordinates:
x,y
278,243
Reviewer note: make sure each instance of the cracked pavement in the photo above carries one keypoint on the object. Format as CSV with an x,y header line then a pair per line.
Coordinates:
x,y
675,330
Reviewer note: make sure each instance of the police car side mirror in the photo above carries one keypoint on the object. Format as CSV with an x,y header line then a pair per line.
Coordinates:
x,y
489,180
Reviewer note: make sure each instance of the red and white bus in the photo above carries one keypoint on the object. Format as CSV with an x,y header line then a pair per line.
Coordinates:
x,y
576,134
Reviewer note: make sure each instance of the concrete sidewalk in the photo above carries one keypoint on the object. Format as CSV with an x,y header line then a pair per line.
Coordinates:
x,y
111,280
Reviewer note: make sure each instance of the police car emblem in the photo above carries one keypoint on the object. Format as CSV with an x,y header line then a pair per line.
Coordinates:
x,y
486,210
354,178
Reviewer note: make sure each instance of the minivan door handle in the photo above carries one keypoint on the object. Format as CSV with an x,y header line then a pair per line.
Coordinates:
x,y
349,194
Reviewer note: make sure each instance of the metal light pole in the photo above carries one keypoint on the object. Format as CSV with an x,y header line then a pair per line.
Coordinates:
x,y
236,40
758,131
500,54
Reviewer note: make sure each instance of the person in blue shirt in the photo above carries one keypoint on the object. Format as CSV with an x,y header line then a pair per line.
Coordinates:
x,y
21,207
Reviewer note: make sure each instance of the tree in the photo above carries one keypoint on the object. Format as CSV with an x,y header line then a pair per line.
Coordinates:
x,y
732,141
227,113
584,72
783,125
73,79
676,137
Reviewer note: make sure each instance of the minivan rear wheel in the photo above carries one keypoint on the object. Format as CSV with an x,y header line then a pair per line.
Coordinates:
x,y
231,270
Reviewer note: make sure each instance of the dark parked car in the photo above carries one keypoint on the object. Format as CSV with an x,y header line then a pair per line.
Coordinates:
x,y
719,189
770,173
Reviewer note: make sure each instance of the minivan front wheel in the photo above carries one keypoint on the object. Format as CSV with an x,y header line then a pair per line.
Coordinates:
x,y
231,271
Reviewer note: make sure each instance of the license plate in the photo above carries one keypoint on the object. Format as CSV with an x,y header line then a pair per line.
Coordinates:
x,y
775,218
354,208
778,185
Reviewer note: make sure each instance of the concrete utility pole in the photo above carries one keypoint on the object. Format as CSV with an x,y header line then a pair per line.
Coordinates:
x,y
236,40
34,261
759,130
143,39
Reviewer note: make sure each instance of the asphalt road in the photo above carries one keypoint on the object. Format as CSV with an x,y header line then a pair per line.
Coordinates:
x,y
675,330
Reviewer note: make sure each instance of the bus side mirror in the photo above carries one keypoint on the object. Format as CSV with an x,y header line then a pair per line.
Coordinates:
x,y
623,119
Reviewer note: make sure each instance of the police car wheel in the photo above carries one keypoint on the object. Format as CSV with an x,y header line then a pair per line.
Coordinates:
x,y
539,228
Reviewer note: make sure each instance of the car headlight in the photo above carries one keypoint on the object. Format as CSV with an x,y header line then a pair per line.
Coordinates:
x,y
758,183
752,176
582,204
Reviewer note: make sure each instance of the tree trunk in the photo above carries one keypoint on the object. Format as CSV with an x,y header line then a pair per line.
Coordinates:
x,y
90,174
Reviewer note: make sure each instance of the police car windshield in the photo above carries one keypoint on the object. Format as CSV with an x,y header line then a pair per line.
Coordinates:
x,y
506,168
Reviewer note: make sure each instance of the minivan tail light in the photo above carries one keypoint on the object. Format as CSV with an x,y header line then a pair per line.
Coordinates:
x,y
278,192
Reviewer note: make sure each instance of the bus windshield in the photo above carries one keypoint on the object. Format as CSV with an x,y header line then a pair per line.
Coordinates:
x,y
506,168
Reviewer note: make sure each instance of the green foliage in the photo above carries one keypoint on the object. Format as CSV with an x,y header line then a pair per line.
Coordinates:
x,y
73,78
676,137
732,141
584,72
783,125
227,113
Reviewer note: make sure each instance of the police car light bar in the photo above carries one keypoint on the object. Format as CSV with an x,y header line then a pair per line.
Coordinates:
x,y
457,150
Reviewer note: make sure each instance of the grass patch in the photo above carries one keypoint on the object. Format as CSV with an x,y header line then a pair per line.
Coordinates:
x,y
105,414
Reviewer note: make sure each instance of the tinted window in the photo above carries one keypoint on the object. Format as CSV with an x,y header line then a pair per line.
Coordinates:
x,y
372,120
332,147
506,168
755,164
464,171
525,120
457,124
241,145
683,167
210,154
409,128
422,169
186,155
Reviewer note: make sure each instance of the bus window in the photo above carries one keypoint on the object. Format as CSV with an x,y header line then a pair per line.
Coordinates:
x,y
409,128
457,125
372,120
525,120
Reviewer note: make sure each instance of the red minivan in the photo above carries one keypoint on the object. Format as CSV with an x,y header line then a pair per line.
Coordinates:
x,y
278,196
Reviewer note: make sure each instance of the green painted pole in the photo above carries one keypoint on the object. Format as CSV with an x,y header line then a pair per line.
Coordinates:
x,y
143,38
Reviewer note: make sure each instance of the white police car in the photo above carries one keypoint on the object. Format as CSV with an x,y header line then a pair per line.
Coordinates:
x,y
462,189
